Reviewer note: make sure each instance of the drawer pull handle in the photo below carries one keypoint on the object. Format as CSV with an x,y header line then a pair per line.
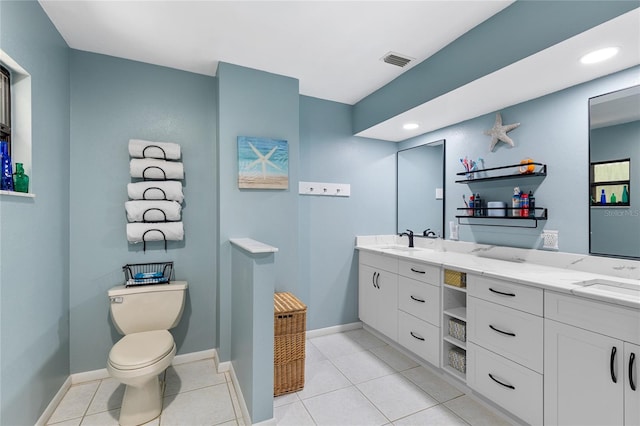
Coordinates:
x,y
418,300
373,279
500,331
502,293
376,278
416,337
417,271
500,383
612,364
632,358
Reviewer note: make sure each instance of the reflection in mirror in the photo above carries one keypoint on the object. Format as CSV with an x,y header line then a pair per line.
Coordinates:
x,y
420,189
614,181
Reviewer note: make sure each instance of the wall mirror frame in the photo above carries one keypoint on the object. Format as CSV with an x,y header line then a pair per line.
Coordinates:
x,y
614,159
420,189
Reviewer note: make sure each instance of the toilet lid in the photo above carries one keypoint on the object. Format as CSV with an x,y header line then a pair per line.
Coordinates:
x,y
138,350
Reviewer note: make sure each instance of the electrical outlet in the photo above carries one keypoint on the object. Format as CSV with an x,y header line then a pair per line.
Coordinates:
x,y
550,240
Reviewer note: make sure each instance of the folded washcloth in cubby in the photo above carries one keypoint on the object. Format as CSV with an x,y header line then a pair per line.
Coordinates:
x,y
152,211
156,169
161,231
156,190
139,148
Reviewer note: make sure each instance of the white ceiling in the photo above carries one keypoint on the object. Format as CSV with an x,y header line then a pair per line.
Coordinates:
x,y
334,48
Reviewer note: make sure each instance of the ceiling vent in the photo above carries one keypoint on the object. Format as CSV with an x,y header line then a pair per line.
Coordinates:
x,y
396,59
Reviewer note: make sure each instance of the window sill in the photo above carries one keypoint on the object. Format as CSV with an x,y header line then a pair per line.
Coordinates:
x,y
18,194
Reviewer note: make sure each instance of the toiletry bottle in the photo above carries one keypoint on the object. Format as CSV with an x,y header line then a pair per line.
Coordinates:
x,y
6,176
20,180
524,203
625,195
477,203
613,198
603,198
471,210
532,204
515,202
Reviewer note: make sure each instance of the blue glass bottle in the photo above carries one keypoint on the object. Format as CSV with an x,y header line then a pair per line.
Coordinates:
x,y
6,175
603,198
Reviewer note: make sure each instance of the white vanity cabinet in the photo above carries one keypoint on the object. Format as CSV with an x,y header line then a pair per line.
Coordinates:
x,y
505,349
419,309
378,293
591,366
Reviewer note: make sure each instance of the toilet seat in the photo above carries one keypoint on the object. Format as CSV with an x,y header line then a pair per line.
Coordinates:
x,y
138,350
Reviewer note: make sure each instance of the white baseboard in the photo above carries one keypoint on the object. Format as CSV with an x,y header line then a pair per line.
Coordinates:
x,y
194,356
331,330
48,412
89,376
241,401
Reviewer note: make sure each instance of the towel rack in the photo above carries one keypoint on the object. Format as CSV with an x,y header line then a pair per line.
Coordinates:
x,y
145,177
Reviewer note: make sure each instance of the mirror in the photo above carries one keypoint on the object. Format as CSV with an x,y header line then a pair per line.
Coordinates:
x,y
614,181
420,189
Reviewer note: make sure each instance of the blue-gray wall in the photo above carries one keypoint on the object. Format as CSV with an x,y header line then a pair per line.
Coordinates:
x,y
112,101
255,103
328,225
34,233
554,130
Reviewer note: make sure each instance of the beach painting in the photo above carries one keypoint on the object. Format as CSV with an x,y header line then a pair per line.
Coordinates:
x,y
263,163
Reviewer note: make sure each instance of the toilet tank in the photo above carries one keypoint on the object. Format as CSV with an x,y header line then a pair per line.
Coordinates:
x,y
147,307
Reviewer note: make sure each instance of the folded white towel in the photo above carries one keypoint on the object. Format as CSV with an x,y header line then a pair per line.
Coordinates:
x,y
156,190
156,169
169,231
139,148
152,211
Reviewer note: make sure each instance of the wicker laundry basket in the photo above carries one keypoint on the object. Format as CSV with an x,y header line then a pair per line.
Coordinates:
x,y
289,326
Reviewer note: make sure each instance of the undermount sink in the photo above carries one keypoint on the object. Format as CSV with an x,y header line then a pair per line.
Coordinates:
x,y
611,289
399,248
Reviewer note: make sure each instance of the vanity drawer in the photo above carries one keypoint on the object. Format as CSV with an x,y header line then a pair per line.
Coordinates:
x,y
419,299
514,334
420,271
620,322
379,261
513,387
516,296
420,337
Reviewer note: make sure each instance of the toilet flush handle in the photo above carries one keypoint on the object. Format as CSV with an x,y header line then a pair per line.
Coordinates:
x,y
117,299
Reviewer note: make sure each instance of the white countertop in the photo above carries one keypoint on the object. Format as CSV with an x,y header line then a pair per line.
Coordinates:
x,y
620,291
253,246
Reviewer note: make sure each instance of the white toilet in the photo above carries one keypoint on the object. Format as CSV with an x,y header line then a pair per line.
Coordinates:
x,y
143,314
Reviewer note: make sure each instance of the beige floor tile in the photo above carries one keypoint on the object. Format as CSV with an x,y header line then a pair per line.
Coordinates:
x,y
207,406
190,376
475,413
75,402
108,396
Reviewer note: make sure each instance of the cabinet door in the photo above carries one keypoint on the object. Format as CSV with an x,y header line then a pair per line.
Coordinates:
x,y
367,294
631,376
378,299
387,305
579,368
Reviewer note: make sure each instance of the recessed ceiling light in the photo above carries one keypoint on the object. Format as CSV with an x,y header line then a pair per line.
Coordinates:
x,y
410,126
599,55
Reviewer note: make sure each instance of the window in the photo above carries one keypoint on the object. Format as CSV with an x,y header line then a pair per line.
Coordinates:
x,y
610,183
5,105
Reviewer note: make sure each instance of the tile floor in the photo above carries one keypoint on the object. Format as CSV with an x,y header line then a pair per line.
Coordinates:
x,y
351,378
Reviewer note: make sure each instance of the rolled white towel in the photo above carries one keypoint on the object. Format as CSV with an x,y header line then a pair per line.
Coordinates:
x,y
169,231
156,190
139,148
156,169
152,211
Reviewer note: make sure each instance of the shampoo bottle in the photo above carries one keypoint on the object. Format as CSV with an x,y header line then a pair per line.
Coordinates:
x,y
524,204
471,207
477,203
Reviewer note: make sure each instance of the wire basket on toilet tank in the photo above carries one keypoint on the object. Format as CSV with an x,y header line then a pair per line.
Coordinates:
x,y
148,273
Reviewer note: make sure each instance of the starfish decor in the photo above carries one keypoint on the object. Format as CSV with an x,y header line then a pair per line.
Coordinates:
x,y
499,132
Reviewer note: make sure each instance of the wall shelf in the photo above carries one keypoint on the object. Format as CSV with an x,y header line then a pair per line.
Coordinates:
x,y
540,213
476,176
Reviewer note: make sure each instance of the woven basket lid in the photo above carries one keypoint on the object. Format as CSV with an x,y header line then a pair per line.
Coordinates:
x,y
287,302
